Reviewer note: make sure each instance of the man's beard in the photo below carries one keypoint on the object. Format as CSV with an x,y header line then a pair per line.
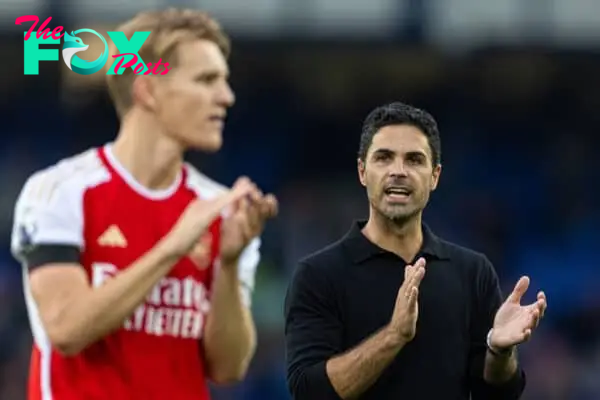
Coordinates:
x,y
397,216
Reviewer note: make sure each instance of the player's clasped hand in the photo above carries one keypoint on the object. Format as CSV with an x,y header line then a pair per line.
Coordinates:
x,y
198,216
247,219
406,311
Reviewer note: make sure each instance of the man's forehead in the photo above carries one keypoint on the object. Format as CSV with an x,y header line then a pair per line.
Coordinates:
x,y
400,138
202,55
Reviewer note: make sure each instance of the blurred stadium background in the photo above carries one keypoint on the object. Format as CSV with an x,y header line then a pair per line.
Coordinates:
x,y
514,85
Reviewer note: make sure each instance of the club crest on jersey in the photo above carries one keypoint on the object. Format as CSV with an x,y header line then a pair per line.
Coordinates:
x,y
201,253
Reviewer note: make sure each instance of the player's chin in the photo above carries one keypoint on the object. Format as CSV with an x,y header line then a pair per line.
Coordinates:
x,y
209,140
398,212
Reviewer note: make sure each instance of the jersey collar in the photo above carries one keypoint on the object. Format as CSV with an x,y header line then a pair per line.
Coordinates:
x,y
362,249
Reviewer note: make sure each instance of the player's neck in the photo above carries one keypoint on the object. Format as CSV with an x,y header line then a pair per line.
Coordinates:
x,y
151,158
404,239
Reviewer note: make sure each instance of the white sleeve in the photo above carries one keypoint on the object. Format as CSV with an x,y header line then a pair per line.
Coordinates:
x,y
46,212
247,270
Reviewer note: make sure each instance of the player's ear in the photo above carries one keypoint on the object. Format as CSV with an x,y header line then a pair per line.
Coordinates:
x,y
437,171
361,171
143,91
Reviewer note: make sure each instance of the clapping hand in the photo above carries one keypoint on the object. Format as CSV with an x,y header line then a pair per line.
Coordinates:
x,y
514,323
246,221
403,325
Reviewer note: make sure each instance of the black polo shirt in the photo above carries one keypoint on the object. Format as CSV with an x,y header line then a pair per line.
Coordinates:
x,y
343,294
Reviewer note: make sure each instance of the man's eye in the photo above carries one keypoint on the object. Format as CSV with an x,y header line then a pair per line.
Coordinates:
x,y
207,78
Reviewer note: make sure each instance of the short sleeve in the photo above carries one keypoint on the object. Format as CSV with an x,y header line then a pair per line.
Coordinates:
x,y
46,213
247,270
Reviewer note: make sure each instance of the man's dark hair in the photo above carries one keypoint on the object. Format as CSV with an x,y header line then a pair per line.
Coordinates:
x,y
400,114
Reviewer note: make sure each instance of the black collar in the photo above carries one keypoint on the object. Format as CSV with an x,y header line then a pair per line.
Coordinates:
x,y
363,249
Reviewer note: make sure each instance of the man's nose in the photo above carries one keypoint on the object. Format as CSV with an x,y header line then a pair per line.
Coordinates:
x,y
398,168
226,96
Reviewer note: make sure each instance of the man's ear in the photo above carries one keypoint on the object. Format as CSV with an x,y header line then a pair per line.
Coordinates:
x,y
361,171
144,91
437,172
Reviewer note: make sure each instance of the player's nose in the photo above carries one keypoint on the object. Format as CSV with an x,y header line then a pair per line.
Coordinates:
x,y
398,168
225,96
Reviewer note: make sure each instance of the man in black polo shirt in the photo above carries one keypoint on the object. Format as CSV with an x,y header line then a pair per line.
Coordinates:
x,y
393,312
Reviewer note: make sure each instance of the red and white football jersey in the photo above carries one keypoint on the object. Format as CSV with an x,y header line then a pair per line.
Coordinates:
x,y
92,202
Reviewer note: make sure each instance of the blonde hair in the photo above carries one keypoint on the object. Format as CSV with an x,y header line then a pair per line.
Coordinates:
x,y
168,28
